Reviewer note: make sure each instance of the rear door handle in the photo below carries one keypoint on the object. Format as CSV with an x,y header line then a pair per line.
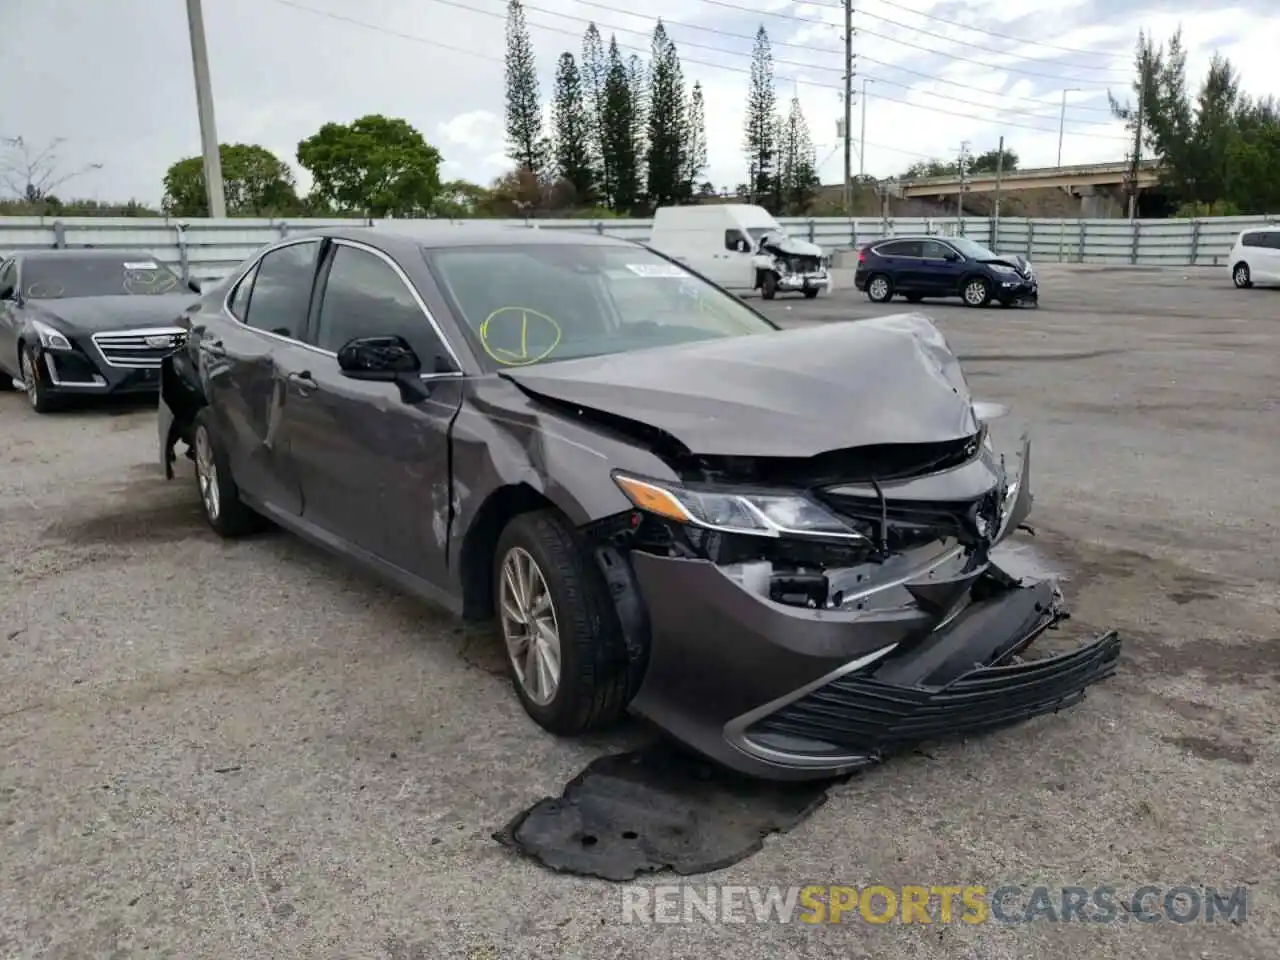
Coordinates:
x,y
302,382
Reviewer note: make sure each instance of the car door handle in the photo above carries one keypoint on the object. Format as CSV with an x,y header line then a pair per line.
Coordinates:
x,y
302,382
213,347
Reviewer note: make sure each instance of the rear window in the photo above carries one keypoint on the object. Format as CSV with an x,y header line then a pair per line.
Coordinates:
x,y
56,278
1253,240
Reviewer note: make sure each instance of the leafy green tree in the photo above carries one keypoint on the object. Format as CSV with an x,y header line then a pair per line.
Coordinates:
x,y
668,124
571,126
255,182
798,175
618,135
525,142
593,72
695,145
459,200
379,165
760,141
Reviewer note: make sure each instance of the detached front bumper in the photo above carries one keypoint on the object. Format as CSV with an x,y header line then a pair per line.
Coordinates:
x,y
788,693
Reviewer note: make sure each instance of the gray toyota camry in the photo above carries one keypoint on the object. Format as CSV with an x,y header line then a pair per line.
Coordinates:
x,y
775,545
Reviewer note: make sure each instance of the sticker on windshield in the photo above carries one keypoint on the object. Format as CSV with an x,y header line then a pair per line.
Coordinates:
x,y
142,265
666,271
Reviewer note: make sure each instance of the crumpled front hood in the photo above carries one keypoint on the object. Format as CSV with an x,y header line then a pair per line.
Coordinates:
x,y
97,314
790,246
795,393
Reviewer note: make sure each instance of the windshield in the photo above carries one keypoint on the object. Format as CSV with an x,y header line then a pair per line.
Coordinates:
x,y
540,303
96,276
974,251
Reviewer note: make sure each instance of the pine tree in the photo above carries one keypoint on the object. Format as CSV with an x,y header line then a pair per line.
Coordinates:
x,y
638,82
695,145
525,142
667,126
797,175
592,73
570,130
760,142
618,136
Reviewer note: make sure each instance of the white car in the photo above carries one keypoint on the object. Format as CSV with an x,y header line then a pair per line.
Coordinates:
x,y
1256,257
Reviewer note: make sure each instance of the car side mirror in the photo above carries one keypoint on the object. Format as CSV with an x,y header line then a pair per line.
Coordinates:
x,y
952,257
385,360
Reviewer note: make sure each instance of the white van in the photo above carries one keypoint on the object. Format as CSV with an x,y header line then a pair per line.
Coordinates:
x,y
740,247
1256,258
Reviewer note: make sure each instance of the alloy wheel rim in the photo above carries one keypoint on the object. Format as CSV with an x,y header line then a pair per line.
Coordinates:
x,y
1242,276
529,626
29,383
207,474
973,293
878,288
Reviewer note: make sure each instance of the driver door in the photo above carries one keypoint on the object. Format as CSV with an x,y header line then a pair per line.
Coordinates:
x,y
942,268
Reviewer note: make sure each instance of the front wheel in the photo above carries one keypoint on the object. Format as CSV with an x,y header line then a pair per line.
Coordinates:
x,y
36,383
1240,276
810,293
769,286
566,655
977,292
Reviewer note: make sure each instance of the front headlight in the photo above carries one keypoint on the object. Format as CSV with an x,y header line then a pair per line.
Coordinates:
x,y
1002,268
764,515
50,338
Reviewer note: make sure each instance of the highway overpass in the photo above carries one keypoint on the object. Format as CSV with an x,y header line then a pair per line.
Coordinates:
x,y
1091,182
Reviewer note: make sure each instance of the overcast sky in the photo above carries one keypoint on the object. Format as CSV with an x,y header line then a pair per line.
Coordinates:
x,y
114,78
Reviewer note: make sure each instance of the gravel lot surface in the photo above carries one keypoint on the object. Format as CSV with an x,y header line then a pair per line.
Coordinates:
x,y
247,750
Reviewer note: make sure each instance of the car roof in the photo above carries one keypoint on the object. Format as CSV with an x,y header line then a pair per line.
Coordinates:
x,y
431,235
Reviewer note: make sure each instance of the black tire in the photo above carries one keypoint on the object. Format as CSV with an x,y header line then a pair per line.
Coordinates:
x,y
912,297
810,293
596,674
976,292
769,285
39,392
1241,276
225,512
877,293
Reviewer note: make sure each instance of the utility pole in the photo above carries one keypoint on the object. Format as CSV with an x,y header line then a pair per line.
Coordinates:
x,y
862,143
1062,121
848,107
995,227
962,169
204,106
1137,145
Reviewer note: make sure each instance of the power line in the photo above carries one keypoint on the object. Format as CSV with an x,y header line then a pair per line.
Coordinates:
x,y
1003,53
413,38
501,15
1058,78
992,33
837,69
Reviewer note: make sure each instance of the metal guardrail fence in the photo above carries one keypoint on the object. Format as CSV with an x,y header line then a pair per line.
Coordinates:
x,y
207,250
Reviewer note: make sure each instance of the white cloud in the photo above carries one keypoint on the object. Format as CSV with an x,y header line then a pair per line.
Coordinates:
x,y
115,79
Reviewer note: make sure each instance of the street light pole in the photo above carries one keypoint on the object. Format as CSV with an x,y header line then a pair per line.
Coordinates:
x,y
862,142
204,106
848,106
1062,121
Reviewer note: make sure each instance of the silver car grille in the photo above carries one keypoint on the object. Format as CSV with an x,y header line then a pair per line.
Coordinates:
x,y
138,348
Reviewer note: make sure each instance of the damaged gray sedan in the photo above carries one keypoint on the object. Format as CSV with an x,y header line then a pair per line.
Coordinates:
x,y
776,545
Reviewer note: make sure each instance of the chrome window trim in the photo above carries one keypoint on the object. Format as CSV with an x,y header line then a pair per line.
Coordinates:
x,y
875,247
338,241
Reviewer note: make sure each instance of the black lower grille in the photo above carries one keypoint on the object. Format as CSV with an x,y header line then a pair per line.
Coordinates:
x,y
869,716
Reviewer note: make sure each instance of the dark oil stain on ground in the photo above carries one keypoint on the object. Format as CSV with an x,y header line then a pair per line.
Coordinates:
x,y
1040,357
657,808
132,523
1183,597
1247,663
1211,748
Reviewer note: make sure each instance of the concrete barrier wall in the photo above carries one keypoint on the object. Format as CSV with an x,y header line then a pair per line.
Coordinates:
x,y
207,250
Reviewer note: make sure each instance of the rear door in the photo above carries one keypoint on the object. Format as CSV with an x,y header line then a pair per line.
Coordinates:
x,y
1271,255
247,355
901,260
375,469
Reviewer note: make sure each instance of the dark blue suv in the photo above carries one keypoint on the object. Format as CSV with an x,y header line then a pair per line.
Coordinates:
x,y
919,267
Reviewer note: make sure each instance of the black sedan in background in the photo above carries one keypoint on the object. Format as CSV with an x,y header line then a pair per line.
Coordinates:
x,y
87,322
919,267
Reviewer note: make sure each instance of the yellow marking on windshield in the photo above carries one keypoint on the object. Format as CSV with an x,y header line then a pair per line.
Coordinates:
x,y
522,357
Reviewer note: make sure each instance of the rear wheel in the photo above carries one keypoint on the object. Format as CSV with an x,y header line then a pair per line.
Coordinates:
x,y
1241,277
879,288
976,292
220,499
565,650
36,382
